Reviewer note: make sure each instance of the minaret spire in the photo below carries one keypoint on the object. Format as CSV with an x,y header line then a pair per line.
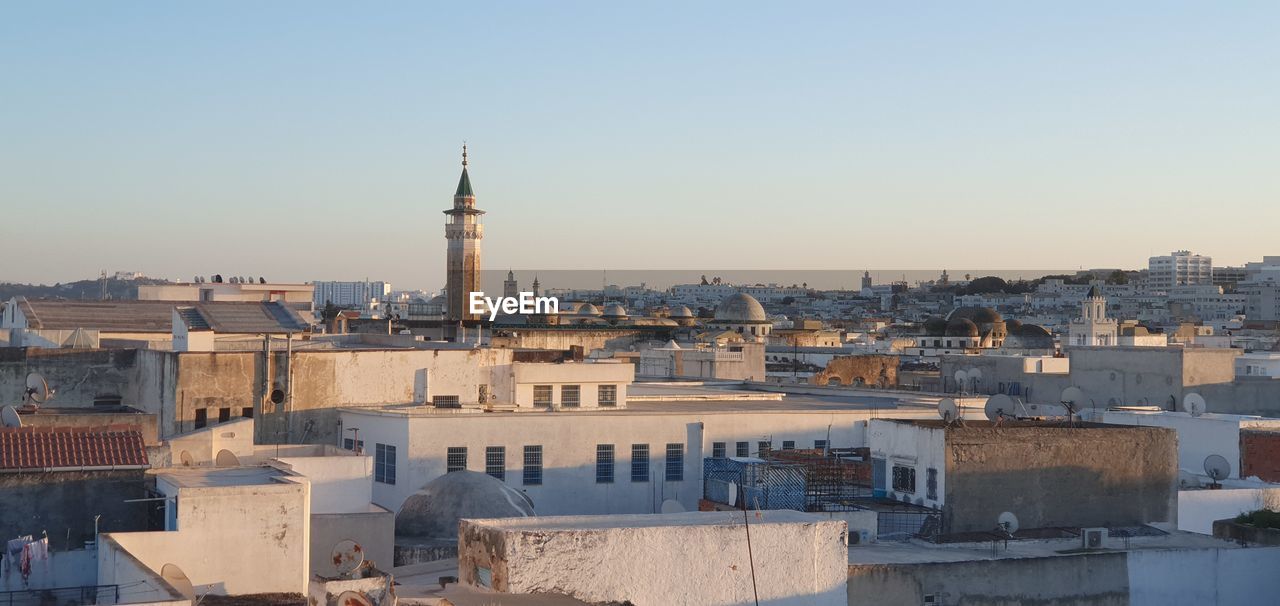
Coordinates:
x,y
464,154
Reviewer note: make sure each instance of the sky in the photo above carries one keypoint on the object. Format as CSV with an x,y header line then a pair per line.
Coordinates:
x,y
321,140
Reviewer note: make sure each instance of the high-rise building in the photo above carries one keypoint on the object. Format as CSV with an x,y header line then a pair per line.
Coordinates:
x,y
463,230
357,295
1179,268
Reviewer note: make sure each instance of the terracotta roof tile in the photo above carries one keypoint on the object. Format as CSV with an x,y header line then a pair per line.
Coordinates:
x,y
53,447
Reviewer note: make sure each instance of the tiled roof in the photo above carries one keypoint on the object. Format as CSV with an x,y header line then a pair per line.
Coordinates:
x,y
53,447
157,316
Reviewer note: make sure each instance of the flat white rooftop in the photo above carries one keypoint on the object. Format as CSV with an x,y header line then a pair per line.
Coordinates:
x,y
921,552
207,477
655,520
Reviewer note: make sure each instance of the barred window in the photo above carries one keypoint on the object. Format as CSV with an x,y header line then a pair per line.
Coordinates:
x,y
542,395
456,460
820,445
718,450
763,447
446,401
904,479
604,463
788,444
742,449
607,395
532,465
495,462
570,396
675,462
639,462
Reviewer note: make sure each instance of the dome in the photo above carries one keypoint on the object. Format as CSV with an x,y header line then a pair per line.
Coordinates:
x,y
741,308
1013,325
570,307
587,309
935,327
962,327
681,312
615,311
1033,330
434,511
979,315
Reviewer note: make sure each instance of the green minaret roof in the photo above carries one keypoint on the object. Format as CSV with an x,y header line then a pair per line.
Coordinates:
x,y
464,186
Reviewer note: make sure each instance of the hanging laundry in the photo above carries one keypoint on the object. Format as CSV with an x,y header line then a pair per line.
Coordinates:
x,y
40,549
24,567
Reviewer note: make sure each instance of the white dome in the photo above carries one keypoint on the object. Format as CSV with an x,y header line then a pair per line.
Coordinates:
x,y
587,309
435,510
741,309
681,312
615,311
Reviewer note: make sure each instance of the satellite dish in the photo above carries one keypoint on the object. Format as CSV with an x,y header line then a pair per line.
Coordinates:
x,y
1194,404
354,598
948,410
226,458
1072,397
186,459
1217,467
1008,522
961,376
672,506
999,406
9,417
38,389
178,579
346,556
975,374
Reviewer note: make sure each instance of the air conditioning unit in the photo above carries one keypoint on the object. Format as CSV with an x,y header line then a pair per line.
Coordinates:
x,y
1093,538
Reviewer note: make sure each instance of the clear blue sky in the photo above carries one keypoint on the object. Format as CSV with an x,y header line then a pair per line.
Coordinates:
x,y
316,140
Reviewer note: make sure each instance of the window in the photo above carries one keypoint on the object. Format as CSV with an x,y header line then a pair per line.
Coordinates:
x,y
224,414
718,450
202,418
247,412
788,444
542,395
639,462
456,459
384,463
742,449
570,396
351,444
931,483
607,395
763,447
446,402
495,462
604,463
675,462
532,465
904,479
820,445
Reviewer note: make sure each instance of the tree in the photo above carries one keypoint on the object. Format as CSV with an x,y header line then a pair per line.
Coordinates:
x,y
1118,277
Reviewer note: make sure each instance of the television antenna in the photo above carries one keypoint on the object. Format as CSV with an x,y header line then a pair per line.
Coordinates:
x,y
38,391
347,555
948,410
1000,407
1194,404
9,417
1217,467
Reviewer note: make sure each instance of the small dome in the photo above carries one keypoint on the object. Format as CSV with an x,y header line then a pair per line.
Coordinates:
x,y
570,307
681,312
587,309
1033,330
615,311
979,315
935,327
1012,325
741,308
434,511
962,327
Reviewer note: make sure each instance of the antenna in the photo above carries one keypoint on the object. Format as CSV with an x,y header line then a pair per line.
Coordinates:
x,y
9,417
1217,467
1000,407
38,391
948,410
347,555
1007,522
1194,404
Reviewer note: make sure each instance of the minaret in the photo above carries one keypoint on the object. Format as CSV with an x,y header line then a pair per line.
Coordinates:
x,y
1093,327
510,288
535,285
463,230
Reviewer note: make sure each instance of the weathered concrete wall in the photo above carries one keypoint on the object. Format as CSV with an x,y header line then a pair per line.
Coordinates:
x,y
873,370
75,568
78,375
1099,579
374,531
689,558
1198,509
1060,476
1191,577
95,419
63,504
1260,454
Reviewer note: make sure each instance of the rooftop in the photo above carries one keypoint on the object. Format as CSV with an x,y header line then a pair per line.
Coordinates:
x,y
652,520
209,477
157,316
52,448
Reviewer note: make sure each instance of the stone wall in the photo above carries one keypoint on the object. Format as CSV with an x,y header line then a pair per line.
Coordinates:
x,y
1060,476
63,504
873,370
1260,454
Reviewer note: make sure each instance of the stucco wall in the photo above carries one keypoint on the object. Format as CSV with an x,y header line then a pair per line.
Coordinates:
x,y
1060,476
1179,577
1090,579
693,558
64,503
374,530
1198,509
